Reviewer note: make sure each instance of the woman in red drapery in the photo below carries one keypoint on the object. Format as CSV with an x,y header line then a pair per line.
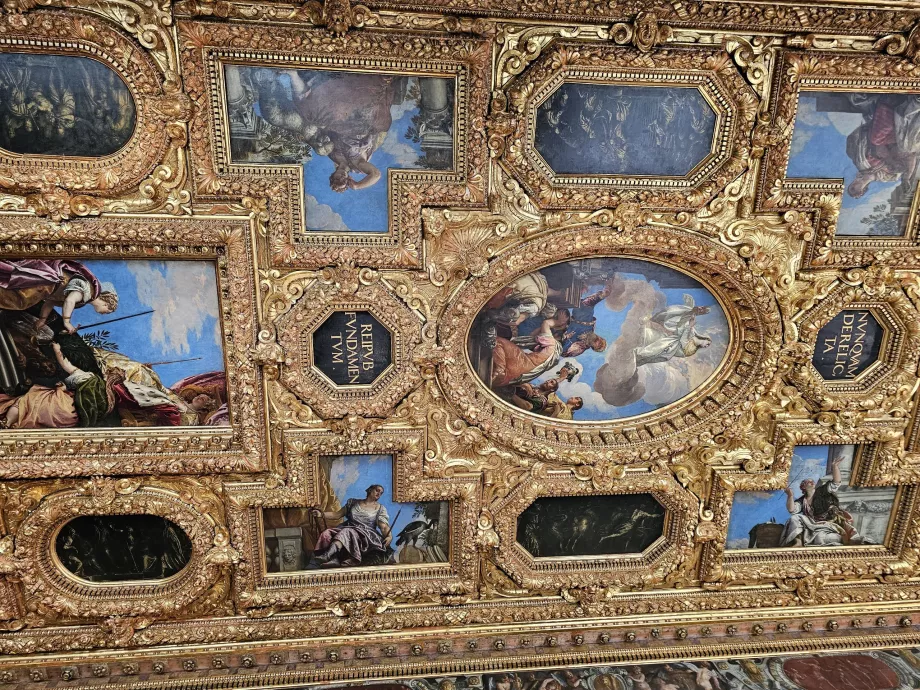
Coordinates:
x,y
885,146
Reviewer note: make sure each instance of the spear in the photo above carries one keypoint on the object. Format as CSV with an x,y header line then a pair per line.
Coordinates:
x,y
120,318
171,361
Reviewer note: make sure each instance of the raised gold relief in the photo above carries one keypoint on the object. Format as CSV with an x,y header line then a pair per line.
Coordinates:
x,y
533,335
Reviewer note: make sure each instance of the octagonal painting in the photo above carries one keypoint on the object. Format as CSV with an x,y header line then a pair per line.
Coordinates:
x,y
848,345
615,129
598,339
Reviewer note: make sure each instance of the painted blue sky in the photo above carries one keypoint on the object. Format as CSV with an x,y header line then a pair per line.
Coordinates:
x,y
362,210
350,475
750,508
184,324
609,325
819,151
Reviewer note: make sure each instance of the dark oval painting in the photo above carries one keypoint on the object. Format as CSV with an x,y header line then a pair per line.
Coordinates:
x,y
598,339
62,105
112,548
612,129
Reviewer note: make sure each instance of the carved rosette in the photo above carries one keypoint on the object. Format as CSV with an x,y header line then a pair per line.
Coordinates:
x,y
750,361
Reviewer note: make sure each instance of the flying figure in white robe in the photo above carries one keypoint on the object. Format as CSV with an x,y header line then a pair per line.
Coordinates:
x,y
672,333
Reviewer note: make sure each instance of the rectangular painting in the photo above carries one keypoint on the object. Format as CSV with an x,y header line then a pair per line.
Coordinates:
x,y
347,129
817,508
871,142
896,669
125,343
356,522
598,339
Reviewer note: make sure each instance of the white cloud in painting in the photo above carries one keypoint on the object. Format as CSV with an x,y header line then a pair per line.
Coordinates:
x,y
322,217
404,156
345,471
593,401
183,295
751,497
734,544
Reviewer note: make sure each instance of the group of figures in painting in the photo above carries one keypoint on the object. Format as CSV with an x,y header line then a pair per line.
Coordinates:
x,y
598,339
818,507
356,522
884,670
58,374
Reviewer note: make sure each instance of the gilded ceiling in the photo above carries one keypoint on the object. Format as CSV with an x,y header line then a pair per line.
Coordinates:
x,y
542,345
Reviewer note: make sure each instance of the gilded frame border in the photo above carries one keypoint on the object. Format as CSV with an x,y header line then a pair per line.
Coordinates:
x,y
225,240
795,72
47,583
893,378
665,556
317,298
204,46
254,588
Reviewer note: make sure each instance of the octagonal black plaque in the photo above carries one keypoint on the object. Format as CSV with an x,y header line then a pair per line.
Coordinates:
x,y
848,345
352,348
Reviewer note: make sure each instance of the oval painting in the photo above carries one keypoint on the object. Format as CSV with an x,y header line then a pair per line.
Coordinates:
x,y
62,105
598,339
113,548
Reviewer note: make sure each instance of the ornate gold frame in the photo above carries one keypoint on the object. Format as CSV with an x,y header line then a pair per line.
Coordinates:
x,y
205,47
768,260
385,585
731,98
888,383
317,297
664,556
754,324
225,240
826,562
49,586
64,187
795,72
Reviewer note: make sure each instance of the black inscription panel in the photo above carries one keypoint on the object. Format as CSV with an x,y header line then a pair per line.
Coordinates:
x,y
352,348
848,345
